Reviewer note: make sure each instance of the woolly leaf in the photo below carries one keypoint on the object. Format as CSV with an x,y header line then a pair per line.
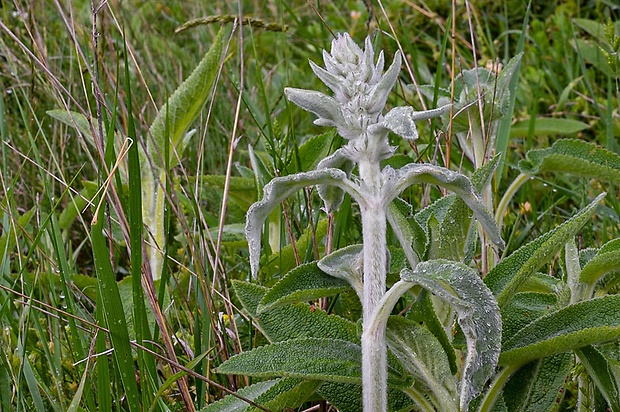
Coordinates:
x,y
231,403
572,327
282,323
423,357
308,358
606,260
537,385
184,106
456,182
575,157
478,316
522,309
333,196
326,108
275,394
505,278
304,283
346,264
275,192
75,120
347,397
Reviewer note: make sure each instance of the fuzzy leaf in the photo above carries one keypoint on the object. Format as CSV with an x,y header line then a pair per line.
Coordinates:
x,y
275,394
456,182
537,385
423,357
599,369
347,397
75,120
478,316
606,260
326,108
282,323
574,157
522,309
505,278
345,263
333,196
304,283
307,358
184,106
572,327
231,403
544,126
275,192
401,120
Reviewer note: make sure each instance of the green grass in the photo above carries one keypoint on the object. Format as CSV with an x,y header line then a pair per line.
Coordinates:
x,y
71,290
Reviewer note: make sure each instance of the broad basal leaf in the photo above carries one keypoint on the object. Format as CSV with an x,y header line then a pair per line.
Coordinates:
x,y
275,394
572,327
304,283
347,397
307,358
575,157
453,181
522,309
182,108
537,385
279,189
293,321
478,316
423,357
233,404
505,278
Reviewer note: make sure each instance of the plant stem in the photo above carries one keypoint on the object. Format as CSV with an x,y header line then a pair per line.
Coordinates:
x,y
374,348
508,195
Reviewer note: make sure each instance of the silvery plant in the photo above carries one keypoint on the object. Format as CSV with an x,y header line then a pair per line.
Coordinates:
x,y
360,91
459,343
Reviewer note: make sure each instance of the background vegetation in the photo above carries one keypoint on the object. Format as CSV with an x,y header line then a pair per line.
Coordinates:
x,y
55,346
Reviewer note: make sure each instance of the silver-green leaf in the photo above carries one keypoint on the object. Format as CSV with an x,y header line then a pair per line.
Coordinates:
x,y
572,327
304,283
421,354
279,189
505,278
453,181
478,316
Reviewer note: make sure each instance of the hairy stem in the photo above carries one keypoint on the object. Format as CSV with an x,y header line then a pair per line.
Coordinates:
x,y
374,348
